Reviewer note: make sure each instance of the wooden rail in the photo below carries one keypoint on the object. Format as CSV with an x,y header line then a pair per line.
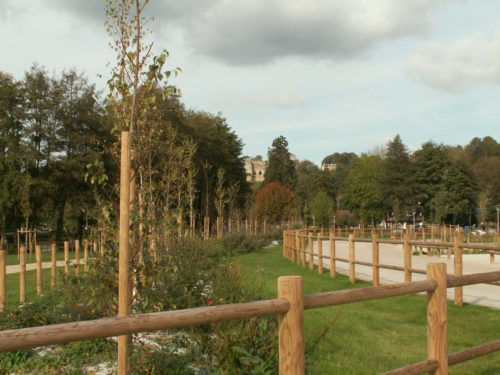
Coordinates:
x,y
290,250
290,307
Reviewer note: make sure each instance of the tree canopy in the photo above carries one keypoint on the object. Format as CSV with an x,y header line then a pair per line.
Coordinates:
x,y
281,167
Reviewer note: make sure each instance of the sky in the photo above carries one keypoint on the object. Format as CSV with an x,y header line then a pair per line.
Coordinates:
x,y
329,75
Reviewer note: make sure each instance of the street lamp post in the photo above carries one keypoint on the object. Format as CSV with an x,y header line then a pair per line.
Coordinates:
x,y
334,222
413,213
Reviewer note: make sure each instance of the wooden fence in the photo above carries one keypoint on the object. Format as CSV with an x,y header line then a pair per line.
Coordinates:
x,y
431,233
88,249
289,306
298,246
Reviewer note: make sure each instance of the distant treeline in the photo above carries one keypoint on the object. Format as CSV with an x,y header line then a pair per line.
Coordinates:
x,y
440,183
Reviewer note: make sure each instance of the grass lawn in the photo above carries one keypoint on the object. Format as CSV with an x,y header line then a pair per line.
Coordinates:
x,y
12,286
374,336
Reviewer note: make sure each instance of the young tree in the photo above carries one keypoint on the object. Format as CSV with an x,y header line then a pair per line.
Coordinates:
x,y
281,167
322,207
274,202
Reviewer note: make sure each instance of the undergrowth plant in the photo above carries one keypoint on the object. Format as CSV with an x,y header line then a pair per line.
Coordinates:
x,y
183,274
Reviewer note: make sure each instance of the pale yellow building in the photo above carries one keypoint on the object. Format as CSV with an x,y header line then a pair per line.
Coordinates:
x,y
255,170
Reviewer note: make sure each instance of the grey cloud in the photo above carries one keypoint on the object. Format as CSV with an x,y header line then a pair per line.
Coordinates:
x,y
247,32
252,32
459,65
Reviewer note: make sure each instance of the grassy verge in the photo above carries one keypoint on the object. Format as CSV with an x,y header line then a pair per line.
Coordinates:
x,y
12,286
374,336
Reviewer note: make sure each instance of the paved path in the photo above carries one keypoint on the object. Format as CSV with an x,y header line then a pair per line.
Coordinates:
x,y
16,268
479,294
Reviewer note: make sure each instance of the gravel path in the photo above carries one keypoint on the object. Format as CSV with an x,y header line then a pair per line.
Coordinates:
x,y
479,294
16,268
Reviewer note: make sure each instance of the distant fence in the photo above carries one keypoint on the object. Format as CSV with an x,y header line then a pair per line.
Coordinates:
x,y
88,248
432,232
298,246
289,306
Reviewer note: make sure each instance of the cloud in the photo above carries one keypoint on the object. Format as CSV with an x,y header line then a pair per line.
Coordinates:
x,y
282,98
254,32
249,32
464,63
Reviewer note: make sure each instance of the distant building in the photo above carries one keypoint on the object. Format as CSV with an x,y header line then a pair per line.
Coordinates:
x,y
328,167
255,170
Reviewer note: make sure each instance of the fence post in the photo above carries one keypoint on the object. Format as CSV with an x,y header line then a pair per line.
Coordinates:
x,y
407,258
38,257
284,244
437,318
457,260
297,245
77,258
311,251
304,250
332,254
3,271
320,254
375,260
352,271
291,326
22,274
123,257
53,268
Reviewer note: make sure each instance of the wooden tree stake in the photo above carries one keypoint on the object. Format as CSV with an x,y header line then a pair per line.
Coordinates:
x,y
77,258
66,257
85,255
53,268
123,275
3,290
38,257
22,274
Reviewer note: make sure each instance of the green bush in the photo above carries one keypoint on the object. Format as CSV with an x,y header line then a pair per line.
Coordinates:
x,y
181,274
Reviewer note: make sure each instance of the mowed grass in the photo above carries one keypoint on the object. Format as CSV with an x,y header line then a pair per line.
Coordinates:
x,y
374,336
12,286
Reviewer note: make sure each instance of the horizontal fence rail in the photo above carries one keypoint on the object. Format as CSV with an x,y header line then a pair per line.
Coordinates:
x,y
299,246
26,338
290,309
